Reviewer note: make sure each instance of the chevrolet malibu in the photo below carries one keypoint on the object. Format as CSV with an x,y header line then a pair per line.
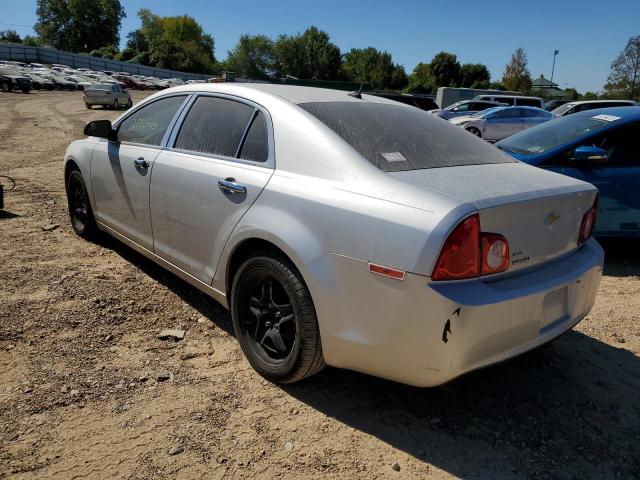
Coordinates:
x,y
342,229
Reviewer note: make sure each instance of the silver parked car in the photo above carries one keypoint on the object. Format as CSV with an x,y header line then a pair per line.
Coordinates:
x,y
497,123
575,107
107,95
352,231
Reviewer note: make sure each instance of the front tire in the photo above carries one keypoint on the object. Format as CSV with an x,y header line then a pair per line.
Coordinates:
x,y
6,87
475,131
80,212
274,319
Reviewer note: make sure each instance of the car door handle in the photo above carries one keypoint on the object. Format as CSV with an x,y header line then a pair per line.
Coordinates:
x,y
141,163
229,185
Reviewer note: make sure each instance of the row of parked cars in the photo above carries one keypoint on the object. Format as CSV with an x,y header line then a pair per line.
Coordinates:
x,y
494,117
19,76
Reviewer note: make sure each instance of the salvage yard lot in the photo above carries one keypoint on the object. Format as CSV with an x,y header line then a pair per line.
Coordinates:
x,y
80,358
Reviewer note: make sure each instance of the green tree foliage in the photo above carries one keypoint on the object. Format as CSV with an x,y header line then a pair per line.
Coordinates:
x,y
177,43
624,79
516,76
109,52
572,94
421,80
590,96
309,55
10,36
368,65
474,75
31,41
445,69
253,57
79,25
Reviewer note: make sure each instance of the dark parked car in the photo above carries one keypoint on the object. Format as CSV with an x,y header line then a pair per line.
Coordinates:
x,y
601,147
465,107
419,101
12,79
40,83
553,104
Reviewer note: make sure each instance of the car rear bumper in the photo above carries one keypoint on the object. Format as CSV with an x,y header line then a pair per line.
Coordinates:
x,y
426,333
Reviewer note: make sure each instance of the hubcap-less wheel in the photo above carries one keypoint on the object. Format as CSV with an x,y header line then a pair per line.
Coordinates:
x,y
266,318
115,104
5,87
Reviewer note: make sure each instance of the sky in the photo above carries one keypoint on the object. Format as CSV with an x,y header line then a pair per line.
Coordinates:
x,y
588,33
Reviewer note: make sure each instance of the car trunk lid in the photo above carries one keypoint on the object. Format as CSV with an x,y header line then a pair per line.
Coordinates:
x,y
538,212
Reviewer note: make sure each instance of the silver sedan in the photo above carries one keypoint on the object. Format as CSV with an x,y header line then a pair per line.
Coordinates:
x,y
497,123
339,229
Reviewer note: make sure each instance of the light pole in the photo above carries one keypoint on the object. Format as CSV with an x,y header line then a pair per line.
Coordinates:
x,y
555,53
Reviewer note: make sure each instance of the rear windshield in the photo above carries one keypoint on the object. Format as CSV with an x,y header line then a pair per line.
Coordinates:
x,y
99,86
398,138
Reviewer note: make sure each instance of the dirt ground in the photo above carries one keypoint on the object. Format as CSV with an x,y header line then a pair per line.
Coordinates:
x,y
80,358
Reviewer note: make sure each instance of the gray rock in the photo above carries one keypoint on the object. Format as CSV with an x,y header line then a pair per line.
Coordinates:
x,y
168,333
50,227
163,376
176,449
288,446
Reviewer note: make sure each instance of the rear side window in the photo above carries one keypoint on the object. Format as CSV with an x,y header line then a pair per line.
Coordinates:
x,y
215,126
398,138
255,146
149,124
528,102
507,100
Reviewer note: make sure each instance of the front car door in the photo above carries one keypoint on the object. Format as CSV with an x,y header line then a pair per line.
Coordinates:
x,y
618,181
220,160
121,169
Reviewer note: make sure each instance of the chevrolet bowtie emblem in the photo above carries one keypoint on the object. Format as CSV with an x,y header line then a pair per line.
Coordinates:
x,y
551,218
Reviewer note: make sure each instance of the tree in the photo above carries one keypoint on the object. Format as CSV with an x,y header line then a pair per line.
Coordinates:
x,y
421,79
368,65
516,76
624,79
474,75
252,57
445,69
79,25
31,41
590,96
572,94
10,36
310,55
177,43
109,52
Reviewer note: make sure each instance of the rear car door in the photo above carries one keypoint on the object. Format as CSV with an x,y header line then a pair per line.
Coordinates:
x,y
220,161
121,169
503,123
618,181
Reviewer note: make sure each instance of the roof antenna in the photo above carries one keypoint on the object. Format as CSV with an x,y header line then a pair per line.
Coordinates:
x,y
357,94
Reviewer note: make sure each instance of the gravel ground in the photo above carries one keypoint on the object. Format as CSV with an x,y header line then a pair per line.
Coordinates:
x,y
83,392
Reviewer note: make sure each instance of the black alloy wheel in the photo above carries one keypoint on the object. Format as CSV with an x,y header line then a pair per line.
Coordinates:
x,y
274,320
80,212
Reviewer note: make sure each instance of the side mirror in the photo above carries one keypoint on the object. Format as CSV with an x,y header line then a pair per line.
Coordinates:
x,y
100,128
590,155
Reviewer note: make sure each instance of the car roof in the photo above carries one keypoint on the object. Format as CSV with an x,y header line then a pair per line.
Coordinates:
x,y
582,102
293,93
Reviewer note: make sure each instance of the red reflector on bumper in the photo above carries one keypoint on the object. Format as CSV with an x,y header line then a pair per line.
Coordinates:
x,y
386,271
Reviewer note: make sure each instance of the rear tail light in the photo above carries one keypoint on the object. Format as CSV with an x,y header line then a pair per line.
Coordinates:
x,y
589,221
468,253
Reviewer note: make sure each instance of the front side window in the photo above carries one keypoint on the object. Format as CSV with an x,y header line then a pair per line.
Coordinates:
x,y
149,124
215,126
398,138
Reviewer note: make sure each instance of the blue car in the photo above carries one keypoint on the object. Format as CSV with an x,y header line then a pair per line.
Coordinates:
x,y
601,147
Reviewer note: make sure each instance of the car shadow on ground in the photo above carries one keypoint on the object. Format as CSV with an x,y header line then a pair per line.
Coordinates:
x,y
566,410
4,214
622,256
541,415
207,307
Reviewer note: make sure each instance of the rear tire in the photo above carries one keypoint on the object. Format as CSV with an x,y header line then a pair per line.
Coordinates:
x,y
88,106
115,105
80,212
274,319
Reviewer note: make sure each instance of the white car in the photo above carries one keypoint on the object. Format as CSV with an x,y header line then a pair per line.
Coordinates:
x,y
347,230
